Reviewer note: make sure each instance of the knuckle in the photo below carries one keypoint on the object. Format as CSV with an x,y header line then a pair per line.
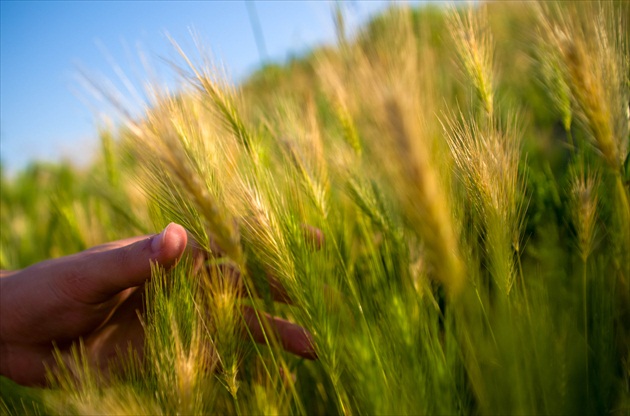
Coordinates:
x,y
71,285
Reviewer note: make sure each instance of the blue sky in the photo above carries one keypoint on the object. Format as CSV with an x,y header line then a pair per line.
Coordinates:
x,y
46,113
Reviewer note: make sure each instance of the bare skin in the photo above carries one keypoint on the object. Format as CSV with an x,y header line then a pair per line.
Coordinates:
x,y
95,295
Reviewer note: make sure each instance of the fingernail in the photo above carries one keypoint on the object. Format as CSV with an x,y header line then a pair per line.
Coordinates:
x,y
158,240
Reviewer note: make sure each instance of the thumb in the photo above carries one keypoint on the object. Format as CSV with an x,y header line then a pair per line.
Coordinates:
x,y
95,275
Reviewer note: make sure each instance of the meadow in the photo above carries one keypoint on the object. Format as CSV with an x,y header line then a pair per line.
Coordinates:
x,y
467,175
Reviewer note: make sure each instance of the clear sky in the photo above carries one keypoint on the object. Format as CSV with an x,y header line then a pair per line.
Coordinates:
x,y
46,112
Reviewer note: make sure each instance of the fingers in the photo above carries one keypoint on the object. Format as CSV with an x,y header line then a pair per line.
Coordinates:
x,y
313,236
95,275
234,278
123,333
292,337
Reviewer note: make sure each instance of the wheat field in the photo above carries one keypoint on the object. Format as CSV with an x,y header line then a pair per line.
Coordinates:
x,y
443,196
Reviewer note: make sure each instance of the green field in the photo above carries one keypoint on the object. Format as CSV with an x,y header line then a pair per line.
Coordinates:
x,y
469,172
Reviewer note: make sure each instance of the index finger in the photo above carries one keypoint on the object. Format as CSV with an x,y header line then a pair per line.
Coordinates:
x,y
292,337
95,275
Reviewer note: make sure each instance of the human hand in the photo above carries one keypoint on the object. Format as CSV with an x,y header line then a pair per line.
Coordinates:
x,y
96,296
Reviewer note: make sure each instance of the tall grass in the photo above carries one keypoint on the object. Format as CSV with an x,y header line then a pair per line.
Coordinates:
x,y
452,229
